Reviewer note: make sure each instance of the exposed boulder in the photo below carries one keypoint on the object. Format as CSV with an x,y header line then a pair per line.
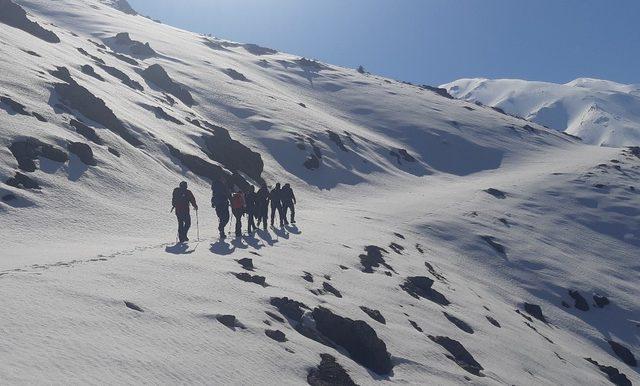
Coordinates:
x,y
246,263
82,100
86,131
22,181
124,78
161,114
357,338
256,279
374,314
440,91
337,140
580,301
15,16
230,321
614,375
420,286
156,75
258,50
459,354
373,259
329,373
276,335
122,42
83,151
535,311
133,306
600,301
623,353
87,69
27,151
331,289
290,308
16,107
496,193
461,324
235,75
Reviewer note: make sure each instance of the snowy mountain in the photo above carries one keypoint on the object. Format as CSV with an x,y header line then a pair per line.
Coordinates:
x,y
438,242
600,112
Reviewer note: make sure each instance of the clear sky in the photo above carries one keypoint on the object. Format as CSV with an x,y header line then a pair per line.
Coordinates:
x,y
431,41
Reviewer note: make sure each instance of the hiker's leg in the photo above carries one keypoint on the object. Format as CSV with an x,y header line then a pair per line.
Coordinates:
x,y
187,225
180,227
293,213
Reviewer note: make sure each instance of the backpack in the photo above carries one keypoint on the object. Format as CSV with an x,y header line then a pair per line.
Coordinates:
x,y
237,201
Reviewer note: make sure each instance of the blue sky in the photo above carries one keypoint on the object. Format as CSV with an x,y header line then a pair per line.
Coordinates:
x,y
431,41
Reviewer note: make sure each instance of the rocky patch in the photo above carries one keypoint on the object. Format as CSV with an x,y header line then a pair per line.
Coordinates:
x,y
124,78
156,75
374,314
230,321
260,280
535,311
335,138
580,301
246,263
87,69
600,301
290,308
420,287
435,273
15,16
400,155
83,152
459,354
493,321
27,151
623,353
415,325
235,75
161,114
308,277
496,193
95,58
459,323
82,100
122,42
16,108
133,306
357,338
329,372
312,162
331,289
22,181
276,335
373,259
614,375
397,248
257,50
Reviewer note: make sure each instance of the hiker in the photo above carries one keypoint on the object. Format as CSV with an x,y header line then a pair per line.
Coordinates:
x,y
276,204
238,208
182,198
220,201
262,205
288,203
250,207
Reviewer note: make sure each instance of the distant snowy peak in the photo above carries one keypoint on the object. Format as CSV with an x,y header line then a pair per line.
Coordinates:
x,y
121,5
601,112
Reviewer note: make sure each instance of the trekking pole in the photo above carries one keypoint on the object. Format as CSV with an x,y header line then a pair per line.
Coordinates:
x,y
198,225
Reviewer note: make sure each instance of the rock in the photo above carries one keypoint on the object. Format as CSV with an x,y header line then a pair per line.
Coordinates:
x,y
22,181
535,311
373,259
38,116
459,354
158,76
86,131
374,314
83,151
246,263
229,321
258,50
329,288
274,316
87,69
122,42
493,321
85,53
397,248
420,286
459,323
494,244
337,140
600,301
15,16
308,277
623,353
235,75
312,162
357,338
290,308
496,193
614,375
17,108
415,325
435,273
329,373
133,306
114,151
251,278
580,301
124,78
276,335
28,150
440,91
79,98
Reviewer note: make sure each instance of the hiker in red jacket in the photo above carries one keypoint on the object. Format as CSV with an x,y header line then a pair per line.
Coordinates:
x,y
237,208
182,197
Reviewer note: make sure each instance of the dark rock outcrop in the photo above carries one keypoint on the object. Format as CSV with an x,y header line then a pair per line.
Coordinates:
x,y
276,335
85,53
312,162
17,107
623,353
373,259
459,354
124,78
440,91
258,50
496,193
290,308
15,16
357,338
83,151
22,181
420,286
86,131
161,114
329,373
133,306
600,301
246,263
235,75
614,375
122,42
461,324
535,311
337,140
580,301
87,69
260,280
493,321
27,151
156,75
331,289
374,314
230,321
82,100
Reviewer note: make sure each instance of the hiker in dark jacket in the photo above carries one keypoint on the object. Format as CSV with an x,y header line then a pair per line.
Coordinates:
x,y
182,198
238,209
275,196
288,203
262,205
220,201
250,207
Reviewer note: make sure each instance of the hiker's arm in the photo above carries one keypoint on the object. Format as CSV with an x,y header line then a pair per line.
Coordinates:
x,y
193,201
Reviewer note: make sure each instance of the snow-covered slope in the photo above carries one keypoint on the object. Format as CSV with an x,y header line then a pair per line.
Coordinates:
x,y
600,112
429,229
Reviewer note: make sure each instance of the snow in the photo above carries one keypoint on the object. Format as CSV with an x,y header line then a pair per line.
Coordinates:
x,y
95,237
601,112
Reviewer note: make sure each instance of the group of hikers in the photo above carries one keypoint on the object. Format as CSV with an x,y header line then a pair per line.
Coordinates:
x,y
255,204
